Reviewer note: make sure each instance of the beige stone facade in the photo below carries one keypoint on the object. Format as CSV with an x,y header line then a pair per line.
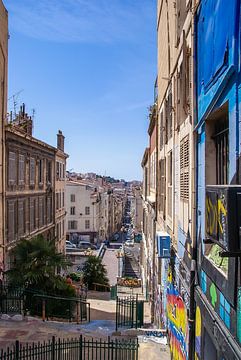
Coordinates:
x,y
60,182
29,199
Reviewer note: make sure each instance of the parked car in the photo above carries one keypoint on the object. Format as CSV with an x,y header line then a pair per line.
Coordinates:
x,y
69,245
129,243
84,245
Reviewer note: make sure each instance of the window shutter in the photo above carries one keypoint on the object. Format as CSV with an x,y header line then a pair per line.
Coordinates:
x,y
21,170
11,221
12,168
32,171
21,218
31,214
41,212
184,168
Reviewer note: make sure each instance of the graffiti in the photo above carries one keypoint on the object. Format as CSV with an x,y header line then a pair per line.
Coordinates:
x,y
155,333
239,315
213,294
177,323
198,333
216,217
224,310
203,281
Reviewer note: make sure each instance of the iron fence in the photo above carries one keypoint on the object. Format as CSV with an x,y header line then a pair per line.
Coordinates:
x,y
27,301
129,312
71,349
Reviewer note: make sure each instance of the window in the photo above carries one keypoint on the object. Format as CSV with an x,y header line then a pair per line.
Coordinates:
x,y
221,140
162,185
40,171
63,199
72,210
161,131
63,228
32,171
184,169
21,169
168,111
41,212
63,172
72,198
11,225
11,168
31,213
49,171
72,225
87,224
87,210
57,170
21,217
49,209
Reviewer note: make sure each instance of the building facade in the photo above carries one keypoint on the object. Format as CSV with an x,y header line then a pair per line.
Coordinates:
x,y
3,117
218,294
82,206
29,184
60,180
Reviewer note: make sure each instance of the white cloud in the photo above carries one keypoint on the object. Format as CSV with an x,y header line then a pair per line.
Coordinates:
x,y
81,20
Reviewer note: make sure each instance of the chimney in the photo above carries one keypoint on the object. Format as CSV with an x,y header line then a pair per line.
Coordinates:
x,y
60,141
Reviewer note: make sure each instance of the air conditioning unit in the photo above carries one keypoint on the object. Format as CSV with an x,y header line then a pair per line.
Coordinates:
x,y
223,216
163,241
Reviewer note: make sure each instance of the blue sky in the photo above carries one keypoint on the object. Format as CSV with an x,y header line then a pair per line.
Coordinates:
x,y
87,67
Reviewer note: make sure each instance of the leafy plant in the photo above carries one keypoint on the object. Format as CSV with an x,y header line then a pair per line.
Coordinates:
x,y
94,272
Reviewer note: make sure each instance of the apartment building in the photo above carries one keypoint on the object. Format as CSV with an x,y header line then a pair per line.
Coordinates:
x,y
169,180
3,117
217,130
82,206
60,180
29,184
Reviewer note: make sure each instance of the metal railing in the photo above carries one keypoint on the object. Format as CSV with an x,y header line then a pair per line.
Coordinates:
x,y
70,349
27,301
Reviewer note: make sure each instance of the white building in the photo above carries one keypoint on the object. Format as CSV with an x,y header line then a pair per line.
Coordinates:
x,y
82,203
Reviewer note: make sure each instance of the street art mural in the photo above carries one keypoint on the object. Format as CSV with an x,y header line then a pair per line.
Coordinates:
x,y
198,333
239,316
177,321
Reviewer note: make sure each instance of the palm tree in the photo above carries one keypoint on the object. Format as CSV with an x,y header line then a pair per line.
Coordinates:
x,y
94,272
35,265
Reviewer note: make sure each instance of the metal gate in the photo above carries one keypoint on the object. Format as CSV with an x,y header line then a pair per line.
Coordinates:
x,y
11,300
129,312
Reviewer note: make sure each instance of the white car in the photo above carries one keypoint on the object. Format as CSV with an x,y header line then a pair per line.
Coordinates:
x,y
129,243
69,245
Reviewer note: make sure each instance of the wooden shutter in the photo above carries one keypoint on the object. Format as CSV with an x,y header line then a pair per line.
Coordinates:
x,y
31,214
184,168
32,171
21,217
12,168
41,217
21,169
11,221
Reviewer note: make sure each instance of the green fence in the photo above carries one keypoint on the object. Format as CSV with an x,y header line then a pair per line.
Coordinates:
x,y
81,349
129,312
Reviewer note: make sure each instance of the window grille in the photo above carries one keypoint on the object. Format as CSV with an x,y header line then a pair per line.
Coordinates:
x,y
184,169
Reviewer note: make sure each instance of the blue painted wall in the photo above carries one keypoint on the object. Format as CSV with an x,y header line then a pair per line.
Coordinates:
x,y
218,82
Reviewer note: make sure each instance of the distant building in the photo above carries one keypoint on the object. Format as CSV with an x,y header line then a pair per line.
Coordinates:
x,y
60,180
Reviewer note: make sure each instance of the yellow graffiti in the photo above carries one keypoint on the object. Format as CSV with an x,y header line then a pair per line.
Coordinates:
x,y
214,213
198,325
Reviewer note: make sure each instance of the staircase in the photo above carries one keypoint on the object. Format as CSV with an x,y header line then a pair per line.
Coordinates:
x,y
131,267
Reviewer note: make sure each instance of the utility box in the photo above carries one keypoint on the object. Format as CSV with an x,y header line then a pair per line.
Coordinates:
x,y
163,241
223,216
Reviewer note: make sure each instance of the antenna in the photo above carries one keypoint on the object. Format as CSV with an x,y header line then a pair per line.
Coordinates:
x,y
15,102
33,113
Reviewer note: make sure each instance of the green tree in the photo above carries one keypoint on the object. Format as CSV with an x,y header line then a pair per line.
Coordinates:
x,y
94,272
35,264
